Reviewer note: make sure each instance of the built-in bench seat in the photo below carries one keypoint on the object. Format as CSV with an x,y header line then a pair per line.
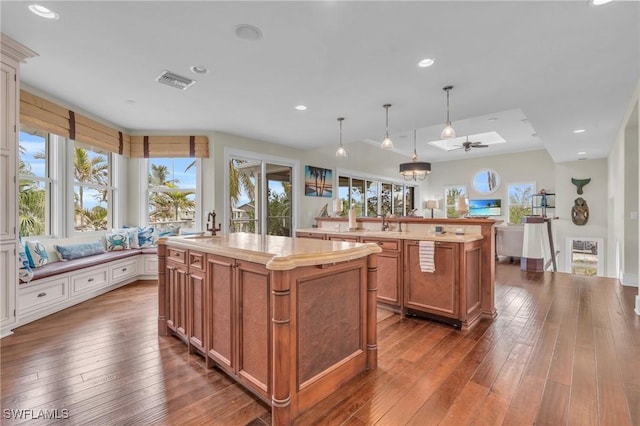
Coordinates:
x,y
60,284
60,267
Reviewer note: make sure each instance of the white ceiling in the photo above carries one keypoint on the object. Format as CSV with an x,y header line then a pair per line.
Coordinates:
x,y
537,69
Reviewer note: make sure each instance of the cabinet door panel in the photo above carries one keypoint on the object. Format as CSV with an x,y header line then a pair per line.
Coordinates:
x,y
196,310
255,325
437,292
220,306
389,276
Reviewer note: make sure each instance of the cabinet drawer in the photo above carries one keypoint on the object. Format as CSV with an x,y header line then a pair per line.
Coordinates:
x,y
196,261
124,270
149,265
89,281
42,295
177,255
348,239
387,245
310,235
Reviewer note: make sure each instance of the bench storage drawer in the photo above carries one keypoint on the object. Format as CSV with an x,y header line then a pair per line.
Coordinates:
x,y
124,270
43,295
87,281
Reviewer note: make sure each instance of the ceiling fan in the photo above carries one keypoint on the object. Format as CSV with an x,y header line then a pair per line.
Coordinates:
x,y
468,145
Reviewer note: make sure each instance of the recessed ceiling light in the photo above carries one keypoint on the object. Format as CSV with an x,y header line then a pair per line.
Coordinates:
x,y
248,32
582,153
426,63
199,69
600,2
43,12
301,107
579,131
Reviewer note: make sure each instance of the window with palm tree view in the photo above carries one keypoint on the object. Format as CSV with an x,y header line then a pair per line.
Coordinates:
x,y
520,195
172,193
35,183
372,198
92,189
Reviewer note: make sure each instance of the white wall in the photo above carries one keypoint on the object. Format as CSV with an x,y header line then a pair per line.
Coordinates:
x,y
595,194
630,275
532,166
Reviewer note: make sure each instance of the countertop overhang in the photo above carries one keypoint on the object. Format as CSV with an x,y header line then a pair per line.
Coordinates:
x,y
275,252
421,236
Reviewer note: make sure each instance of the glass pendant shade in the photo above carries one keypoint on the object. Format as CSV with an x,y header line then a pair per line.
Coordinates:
x,y
386,142
448,132
341,152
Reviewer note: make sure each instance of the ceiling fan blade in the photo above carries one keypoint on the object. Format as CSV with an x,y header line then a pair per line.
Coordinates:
x,y
481,146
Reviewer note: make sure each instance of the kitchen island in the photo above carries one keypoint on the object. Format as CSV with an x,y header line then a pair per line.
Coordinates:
x,y
290,319
461,290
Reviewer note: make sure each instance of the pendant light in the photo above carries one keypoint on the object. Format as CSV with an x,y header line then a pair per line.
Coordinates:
x,y
341,152
415,170
386,142
448,132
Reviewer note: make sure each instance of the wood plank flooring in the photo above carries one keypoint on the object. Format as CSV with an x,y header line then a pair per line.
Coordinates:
x,y
563,350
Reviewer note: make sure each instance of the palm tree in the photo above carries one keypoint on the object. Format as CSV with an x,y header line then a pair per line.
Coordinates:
x,y
32,200
93,170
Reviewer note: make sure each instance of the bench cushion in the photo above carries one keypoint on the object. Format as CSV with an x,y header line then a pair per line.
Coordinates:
x,y
55,268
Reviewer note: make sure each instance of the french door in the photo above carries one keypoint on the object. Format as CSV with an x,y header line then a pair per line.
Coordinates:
x,y
260,196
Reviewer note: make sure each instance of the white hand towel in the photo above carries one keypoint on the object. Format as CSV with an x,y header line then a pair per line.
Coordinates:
x,y
425,252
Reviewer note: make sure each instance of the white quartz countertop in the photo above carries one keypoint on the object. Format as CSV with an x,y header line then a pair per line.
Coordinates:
x,y
276,253
421,236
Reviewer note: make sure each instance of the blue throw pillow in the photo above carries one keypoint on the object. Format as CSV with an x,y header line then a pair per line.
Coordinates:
x,y
76,251
117,241
147,236
36,253
134,241
25,273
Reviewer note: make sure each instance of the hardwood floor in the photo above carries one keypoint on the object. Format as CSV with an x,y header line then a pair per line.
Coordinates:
x,y
562,350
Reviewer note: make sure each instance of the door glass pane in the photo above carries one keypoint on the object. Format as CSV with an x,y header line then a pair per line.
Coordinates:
x,y
357,195
385,196
244,188
278,200
343,194
372,199
398,200
584,257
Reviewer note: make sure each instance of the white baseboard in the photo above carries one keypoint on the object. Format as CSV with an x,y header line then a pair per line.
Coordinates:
x,y
629,280
637,305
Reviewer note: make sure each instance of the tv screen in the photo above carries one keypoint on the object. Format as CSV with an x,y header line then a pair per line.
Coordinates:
x,y
486,207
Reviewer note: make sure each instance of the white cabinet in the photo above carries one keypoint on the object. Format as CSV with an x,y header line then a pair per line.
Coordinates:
x,y
93,279
42,295
11,53
7,276
124,270
149,265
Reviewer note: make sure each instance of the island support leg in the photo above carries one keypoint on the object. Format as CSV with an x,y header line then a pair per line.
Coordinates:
x,y
281,320
372,312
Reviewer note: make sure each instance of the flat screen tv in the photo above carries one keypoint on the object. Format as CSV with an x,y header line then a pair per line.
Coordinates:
x,y
485,207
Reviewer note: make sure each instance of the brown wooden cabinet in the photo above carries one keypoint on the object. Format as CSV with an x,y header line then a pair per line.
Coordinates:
x,y
433,293
453,291
177,271
196,302
338,237
239,321
390,280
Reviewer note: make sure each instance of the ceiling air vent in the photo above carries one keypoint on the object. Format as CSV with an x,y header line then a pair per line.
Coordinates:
x,y
174,80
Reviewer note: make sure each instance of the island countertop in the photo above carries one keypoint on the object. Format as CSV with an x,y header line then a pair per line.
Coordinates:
x,y
422,236
276,253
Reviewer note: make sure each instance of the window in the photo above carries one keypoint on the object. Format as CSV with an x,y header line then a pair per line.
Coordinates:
x,y
34,203
171,194
372,198
92,189
451,195
585,256
520,201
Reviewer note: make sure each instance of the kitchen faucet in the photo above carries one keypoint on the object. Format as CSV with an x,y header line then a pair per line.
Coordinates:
x,y
212,217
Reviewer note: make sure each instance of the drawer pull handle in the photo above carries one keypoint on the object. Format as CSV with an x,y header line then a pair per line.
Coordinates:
x,y
124,269
43,294
90,280
177,254
380,243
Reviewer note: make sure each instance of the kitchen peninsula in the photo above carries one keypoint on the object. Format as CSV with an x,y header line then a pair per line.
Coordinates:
x,y
290,319
459,292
